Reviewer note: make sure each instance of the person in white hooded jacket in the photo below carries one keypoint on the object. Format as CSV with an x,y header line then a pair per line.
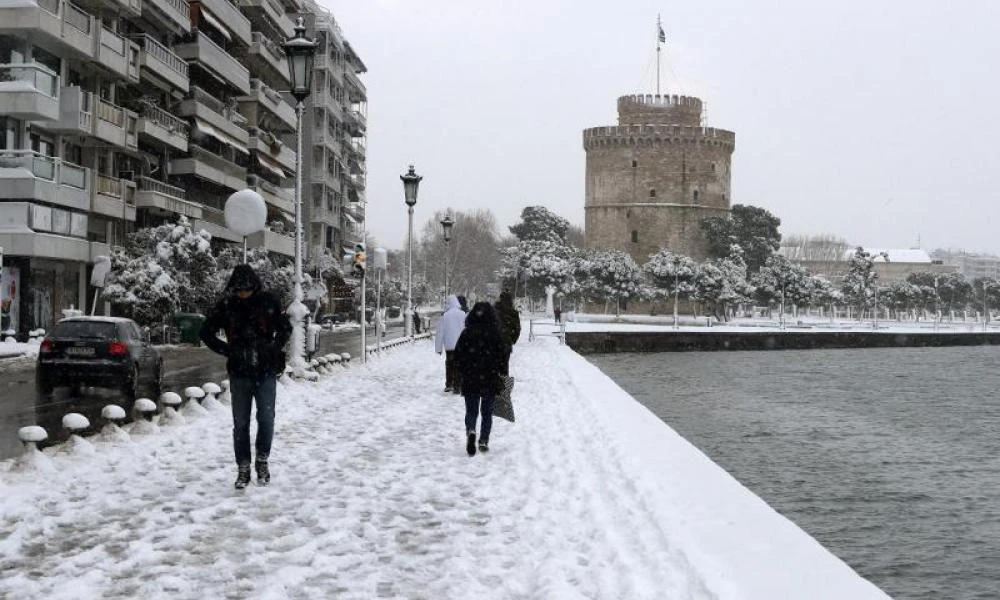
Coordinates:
x,y
449,327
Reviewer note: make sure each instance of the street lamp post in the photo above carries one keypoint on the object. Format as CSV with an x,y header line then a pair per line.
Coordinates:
x,y
411,182
446,225
677,288
300,52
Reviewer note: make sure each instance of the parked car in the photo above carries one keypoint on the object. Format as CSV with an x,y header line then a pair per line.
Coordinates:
x,y
108,352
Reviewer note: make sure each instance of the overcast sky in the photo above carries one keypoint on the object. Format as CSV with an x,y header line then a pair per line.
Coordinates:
x,y
872,120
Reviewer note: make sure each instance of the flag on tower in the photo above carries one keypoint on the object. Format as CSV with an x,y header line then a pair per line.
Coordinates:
x,y
663,36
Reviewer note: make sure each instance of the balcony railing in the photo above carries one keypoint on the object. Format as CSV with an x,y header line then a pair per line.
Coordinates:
x,y
182,7
40,78
272,48
77,17
165,119
148,184
216,161
45,167
50,5
110,186
163,54
214,104
111,113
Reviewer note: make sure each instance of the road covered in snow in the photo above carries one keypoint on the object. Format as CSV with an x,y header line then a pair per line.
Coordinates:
x,y
588,495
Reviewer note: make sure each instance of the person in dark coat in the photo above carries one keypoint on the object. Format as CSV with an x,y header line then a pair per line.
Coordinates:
x,y
510,324
463,303
256,330
480,355
416,321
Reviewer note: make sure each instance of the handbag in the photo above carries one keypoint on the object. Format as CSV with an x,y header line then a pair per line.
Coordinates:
x,y
502,405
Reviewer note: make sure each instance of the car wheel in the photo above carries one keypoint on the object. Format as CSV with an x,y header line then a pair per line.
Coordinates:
x,y
43,388
131,386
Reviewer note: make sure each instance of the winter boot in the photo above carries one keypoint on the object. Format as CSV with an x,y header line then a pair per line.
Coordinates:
x,y
470,446
263,473
243,477
484,445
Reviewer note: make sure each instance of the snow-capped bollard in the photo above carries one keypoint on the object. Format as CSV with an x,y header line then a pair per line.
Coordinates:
x,y
345,359
212,391
144,409
8,336
112,430
32,458
193,407
35,336
334,360
75,424
226,396
170,402
286,377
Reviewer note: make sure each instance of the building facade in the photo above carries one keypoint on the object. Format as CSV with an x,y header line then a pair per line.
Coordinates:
x,y
652,178
121,114
972,265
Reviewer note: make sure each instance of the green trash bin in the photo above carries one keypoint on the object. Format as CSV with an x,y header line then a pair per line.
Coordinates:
x,y
189,324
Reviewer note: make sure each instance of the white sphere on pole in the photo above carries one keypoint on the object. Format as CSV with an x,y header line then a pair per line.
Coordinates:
x,y
245,212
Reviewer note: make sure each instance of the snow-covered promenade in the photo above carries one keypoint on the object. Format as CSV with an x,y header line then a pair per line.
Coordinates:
x,y
588,495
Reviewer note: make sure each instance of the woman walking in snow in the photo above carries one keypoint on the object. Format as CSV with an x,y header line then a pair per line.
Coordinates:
x,y
449,327
480,356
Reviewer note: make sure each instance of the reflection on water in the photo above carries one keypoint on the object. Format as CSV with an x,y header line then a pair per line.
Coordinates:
x,y
889,457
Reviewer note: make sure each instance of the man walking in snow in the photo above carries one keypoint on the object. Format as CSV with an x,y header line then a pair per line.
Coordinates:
x,y
449,327
256,330
510,325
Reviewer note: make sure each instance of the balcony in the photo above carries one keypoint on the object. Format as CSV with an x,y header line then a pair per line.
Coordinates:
x,y
322,136
161,66
273,242
268,145
355,122
27,175
160,197
216,60
117,54
268,59
171,15
29,92
76,112
160,127
278,197
210,167
43,232
223,122
130,7
116,125
267,15
264,103
356,91
228,13
114,197
358,181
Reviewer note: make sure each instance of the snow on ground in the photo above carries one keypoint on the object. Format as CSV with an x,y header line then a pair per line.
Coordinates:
x,y
12,349
588,495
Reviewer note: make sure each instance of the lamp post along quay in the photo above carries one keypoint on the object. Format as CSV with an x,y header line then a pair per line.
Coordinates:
x,y
411,182
446,224
300,51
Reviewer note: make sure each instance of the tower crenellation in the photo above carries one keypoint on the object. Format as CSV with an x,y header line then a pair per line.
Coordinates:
x,y
666,109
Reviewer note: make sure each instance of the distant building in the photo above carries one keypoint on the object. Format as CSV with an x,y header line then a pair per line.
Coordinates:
x,y
972,266
900,264
651,179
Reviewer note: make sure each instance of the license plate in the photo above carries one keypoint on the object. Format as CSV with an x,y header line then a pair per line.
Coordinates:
x,y
80,351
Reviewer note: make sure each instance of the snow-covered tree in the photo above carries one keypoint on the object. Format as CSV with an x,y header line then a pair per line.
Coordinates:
x,y
667,273
141,289
753,229
608,275
858,285
781,280
723,283
539,264
541,225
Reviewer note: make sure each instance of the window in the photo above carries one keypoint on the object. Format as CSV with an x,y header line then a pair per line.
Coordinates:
x,y
652,192
635,236
635,164
696,196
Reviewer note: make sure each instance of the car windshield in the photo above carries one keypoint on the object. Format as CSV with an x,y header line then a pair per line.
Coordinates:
x,y
86,329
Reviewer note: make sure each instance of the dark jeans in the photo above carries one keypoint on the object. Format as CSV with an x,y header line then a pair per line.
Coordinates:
x,y
452,379
246,390
472,410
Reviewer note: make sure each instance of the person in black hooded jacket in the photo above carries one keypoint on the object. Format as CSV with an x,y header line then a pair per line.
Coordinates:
x,y
256,330
480,355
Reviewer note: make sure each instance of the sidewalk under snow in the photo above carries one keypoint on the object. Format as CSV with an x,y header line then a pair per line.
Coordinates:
x,y
588,495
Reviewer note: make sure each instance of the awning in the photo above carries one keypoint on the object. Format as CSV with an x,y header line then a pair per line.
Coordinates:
x,y
268,163
215,23
220,135
288,217
350,218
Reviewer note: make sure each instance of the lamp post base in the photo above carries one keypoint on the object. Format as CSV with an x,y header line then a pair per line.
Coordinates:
x,y
297,314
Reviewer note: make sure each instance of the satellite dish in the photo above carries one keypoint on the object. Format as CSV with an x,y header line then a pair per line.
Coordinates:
x,y
245,212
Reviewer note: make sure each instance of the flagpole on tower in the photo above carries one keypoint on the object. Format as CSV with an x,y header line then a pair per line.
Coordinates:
x,y
660,37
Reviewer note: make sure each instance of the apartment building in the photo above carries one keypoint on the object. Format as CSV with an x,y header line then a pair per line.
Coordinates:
x,y
335,124
121,114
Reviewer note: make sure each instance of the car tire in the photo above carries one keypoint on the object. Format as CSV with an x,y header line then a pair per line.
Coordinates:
x,y
44,389
130,389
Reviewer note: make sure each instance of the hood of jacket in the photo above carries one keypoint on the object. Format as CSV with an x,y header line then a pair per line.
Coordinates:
x,y
452,302
243,277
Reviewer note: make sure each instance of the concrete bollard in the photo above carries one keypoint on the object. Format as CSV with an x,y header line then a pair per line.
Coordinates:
x,y
286,377
145,410
112,430
212,391
32,459
345,359
75,424
193,408
170,402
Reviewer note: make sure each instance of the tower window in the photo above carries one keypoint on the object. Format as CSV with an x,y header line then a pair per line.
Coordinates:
x,y
713,167
635,164
652,192
635,236
696,196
